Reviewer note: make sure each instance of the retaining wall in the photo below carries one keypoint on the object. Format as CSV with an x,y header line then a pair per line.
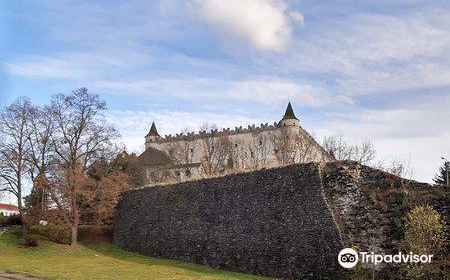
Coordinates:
x,y
273,222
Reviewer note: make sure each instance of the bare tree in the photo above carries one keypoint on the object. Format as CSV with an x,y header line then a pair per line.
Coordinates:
x,y
182,151
294,147
259,151
3,170
239,154
304,149
365,152
174,151
14,148
208,149
336,145
216,149
80,137
181,155
223,151
40,129
401,167
283,148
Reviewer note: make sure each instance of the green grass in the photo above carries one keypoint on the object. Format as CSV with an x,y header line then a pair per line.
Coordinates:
x,y
97,262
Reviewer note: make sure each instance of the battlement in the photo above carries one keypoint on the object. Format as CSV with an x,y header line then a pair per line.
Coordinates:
x,y
289,120
190,136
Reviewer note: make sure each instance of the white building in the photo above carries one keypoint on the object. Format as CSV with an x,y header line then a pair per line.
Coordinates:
x,y
215,152
8,210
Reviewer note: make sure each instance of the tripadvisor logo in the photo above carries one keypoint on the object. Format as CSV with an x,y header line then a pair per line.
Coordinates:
x,y
348,258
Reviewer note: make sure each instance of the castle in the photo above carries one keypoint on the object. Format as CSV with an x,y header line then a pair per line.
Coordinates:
x,y
287,222
213,151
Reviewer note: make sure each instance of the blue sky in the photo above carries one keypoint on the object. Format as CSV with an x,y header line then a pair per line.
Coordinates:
x,y
372,69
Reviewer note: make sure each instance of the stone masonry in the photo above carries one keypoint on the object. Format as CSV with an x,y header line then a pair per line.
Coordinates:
x,y
272,222
369,204
287,222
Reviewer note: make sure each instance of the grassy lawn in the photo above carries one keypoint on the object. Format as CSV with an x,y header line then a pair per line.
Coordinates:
x,y
97,262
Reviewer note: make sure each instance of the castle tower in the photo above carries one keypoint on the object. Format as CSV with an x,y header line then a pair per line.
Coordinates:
x,y
152,135
289,118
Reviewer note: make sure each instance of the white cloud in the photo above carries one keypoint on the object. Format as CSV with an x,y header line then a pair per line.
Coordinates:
x,y
77,65
381,38
414,75
270,91
297,17
370,53
153,52
266,24
43,67
417,130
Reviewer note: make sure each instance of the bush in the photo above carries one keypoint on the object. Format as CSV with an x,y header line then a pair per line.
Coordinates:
x,y
95,234
15,220
424,235
31,240
424,231
53,233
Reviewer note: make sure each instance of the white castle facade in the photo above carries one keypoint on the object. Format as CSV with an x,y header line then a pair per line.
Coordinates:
x,y
213,151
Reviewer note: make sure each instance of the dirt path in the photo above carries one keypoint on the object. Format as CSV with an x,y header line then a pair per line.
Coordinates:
x,y
8,275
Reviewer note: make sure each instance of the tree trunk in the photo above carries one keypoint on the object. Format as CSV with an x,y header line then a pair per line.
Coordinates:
x,y
24,228
73,235
76,220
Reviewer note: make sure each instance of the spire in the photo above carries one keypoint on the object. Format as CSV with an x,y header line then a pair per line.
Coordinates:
x,y
153,131
289,114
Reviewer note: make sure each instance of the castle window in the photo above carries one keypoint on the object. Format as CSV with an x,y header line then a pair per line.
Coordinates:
x,y
260,142
235,145
192,150
251,154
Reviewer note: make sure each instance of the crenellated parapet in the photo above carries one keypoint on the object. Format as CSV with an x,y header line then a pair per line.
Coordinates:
x,y
250,133
288,121
191,136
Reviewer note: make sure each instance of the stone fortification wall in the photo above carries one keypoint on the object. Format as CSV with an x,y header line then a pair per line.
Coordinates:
x,y
273,222
369,205
288,222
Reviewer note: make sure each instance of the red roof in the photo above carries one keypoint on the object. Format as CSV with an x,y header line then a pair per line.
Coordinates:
x,y
9,207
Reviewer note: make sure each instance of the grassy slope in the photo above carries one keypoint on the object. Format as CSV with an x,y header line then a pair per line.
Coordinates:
x,y
97,262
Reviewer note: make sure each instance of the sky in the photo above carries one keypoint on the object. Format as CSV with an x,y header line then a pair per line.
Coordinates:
x,y
377,70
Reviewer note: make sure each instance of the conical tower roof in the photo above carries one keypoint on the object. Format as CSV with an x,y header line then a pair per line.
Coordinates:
x,y
153,131
289,114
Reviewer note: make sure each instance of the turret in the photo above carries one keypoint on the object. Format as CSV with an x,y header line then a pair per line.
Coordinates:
x,y
289,118
152,135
